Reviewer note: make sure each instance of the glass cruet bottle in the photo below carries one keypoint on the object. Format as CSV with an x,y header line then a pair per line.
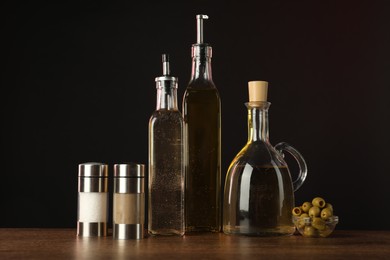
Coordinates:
x,y
259,192
202,127
166,160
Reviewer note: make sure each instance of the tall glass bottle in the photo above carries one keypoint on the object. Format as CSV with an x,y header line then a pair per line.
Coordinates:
x,y
259,192
202,124
166,160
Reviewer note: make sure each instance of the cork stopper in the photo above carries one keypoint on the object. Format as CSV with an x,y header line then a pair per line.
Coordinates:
x,y
258,91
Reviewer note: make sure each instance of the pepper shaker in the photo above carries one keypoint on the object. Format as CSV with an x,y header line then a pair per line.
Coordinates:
x,y
129,201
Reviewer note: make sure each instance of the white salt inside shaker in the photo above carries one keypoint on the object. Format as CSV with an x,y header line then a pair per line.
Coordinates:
x,y
92,200
93,206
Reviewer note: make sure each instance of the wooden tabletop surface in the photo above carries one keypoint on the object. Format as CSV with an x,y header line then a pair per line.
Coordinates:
x,y
63,244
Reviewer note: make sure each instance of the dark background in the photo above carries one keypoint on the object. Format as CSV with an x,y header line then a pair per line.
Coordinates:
x,y
78,86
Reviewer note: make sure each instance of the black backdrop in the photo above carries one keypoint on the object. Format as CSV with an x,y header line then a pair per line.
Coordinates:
x,y
78,86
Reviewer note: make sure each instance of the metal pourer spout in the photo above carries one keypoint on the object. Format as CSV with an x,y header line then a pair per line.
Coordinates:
x,y
199,27
165,62
166,80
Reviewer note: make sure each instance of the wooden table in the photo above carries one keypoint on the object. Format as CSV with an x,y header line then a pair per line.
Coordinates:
x,y
63,244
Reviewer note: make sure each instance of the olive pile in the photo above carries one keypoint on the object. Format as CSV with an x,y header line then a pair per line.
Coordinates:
x,y
314,219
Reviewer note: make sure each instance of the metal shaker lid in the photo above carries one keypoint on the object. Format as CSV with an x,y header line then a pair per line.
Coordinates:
x,y
129,170
93,169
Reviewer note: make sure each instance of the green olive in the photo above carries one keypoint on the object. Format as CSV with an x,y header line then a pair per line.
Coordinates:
x,y
329,206
314,212
302,220
326,213
304,215
301,224
306,206
319,202
318,223
310,231
297,211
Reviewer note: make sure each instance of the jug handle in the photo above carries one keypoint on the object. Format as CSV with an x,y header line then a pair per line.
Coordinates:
x,y
280,147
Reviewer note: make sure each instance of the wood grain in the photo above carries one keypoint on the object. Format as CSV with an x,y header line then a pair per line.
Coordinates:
x,y
63,244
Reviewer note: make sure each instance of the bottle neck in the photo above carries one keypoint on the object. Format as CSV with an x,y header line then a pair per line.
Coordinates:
x,y
167,98
201,68
201,62
258,121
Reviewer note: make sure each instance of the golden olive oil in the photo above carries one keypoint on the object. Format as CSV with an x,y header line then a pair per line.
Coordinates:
x,y
260,202
202,120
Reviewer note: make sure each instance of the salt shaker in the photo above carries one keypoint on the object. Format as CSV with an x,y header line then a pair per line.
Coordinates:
x,y
92,199
129,201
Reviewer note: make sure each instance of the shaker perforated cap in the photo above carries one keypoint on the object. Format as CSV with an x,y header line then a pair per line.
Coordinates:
x,y
258,91
93,169
129,170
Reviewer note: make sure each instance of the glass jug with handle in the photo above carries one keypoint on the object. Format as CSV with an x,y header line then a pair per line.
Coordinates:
x,y
259,191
